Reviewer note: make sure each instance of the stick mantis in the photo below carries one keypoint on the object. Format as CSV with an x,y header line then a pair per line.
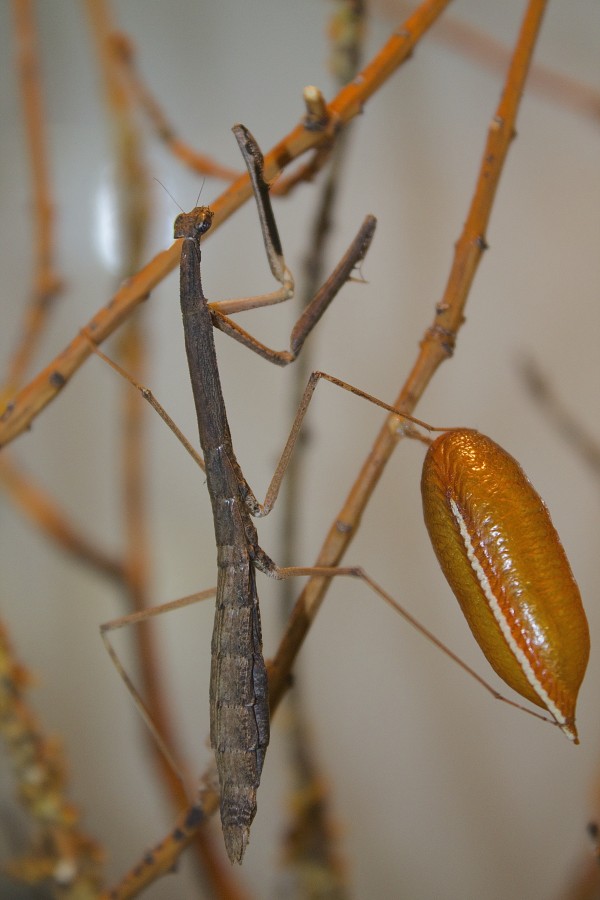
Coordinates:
x,y
239,715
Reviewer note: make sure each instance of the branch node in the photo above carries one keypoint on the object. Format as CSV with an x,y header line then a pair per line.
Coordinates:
x,y
57,379
317,114
445,337
344,527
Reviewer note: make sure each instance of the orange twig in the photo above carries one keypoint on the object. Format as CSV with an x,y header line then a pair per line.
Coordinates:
x,y
488,53
124,52
42,510
131,175
46,282
317,119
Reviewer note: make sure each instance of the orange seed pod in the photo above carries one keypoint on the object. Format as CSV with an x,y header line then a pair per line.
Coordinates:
x,y
497,546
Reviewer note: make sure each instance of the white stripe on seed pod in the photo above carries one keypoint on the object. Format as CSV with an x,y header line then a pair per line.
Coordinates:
x,y
504,626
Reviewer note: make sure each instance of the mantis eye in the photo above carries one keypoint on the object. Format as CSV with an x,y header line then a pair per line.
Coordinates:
x,y
203,226
202,217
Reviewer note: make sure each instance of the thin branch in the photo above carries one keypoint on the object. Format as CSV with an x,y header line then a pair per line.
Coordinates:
x,y
199,163
317,119
305,173
131,181
436,346
29,402
46,281
561,415
488,53
42,510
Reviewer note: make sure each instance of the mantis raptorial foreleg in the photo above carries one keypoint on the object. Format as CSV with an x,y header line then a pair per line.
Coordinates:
x,y
222,309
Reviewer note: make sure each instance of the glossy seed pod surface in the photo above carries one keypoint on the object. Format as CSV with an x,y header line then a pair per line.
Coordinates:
x,y
497,546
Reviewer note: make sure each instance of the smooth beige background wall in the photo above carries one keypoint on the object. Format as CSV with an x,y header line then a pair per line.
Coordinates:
x,y
438,790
